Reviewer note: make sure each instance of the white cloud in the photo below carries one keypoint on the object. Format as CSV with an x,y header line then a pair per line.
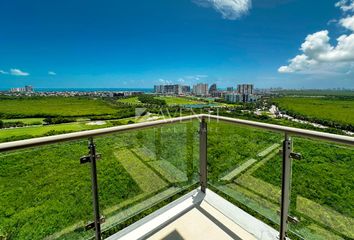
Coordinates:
x,y
52,73
332,21
348,22
164,81
196,77
18,72
298,63
229,9
346,5
319,56
3,72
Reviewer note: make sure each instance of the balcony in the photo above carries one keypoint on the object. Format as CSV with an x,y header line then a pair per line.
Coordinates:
x,y
194,177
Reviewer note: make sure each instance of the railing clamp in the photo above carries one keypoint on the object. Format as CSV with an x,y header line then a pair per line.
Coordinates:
x,y
291,219
91,225
293,155
87,158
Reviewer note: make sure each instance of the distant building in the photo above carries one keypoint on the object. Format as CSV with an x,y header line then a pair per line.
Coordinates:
x,y
26,89
213,90
132,93
229,89
233,97
186,89
218,94
245,88
245,93
174,89
158,88
201,89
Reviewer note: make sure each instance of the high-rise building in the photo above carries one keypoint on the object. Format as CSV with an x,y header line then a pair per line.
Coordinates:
x,y
245,88
158,89
186,89
233,97
245,93
201,89
229,89
28,89
212,88
168,89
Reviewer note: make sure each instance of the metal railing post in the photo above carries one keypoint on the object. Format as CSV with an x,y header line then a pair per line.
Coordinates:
x,y
286,184
203,154
97,221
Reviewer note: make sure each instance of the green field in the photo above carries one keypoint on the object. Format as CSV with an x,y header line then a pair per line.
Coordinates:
x,y
230,146
28,121
170,100
317,92
13,134
319,108
179,100
53,106
131,100
38,131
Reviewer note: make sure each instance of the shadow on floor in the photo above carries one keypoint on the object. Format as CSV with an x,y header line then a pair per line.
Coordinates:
x,y
173,236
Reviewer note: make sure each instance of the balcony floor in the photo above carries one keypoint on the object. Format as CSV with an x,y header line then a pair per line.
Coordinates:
x,y
198,216
202,222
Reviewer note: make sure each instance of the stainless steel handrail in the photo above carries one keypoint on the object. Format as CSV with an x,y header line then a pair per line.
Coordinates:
x,y
33,142
15,145
289,130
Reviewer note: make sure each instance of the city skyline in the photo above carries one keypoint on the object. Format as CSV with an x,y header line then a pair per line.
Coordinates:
x,y
289,44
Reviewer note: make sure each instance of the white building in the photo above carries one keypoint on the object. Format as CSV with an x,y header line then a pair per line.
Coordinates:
x,y
201,89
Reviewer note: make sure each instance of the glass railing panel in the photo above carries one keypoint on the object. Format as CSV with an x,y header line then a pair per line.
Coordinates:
x,y
322,193
45,192
235,155
142,170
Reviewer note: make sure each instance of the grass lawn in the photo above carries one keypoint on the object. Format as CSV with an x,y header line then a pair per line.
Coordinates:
x,y
332,109
38,131
131,100
12,134
29,121
171,100
229,146
53,106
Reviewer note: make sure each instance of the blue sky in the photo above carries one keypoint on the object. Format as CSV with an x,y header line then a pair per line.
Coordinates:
x,y
115,43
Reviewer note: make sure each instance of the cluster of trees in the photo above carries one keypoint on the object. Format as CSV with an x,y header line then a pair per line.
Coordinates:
x,y
238,113
325,122
124,111
16,124
58,120
149,99
11,124
331,111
